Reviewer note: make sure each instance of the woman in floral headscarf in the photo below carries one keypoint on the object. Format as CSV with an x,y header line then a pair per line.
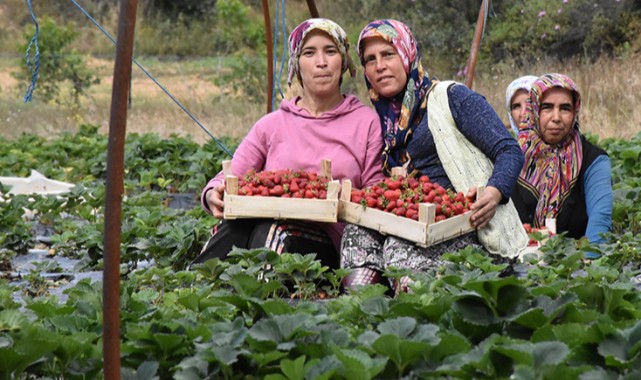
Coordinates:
x,y
399,87
320,124
565,177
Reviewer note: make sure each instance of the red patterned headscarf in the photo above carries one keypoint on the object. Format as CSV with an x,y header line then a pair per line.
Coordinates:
x,y
550,171
401,113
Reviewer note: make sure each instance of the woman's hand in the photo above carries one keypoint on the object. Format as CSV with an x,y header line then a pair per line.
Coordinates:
x,y
214,198
485,206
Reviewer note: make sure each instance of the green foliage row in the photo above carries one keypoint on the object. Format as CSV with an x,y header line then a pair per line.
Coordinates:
x,y
564,318
156,172
259,314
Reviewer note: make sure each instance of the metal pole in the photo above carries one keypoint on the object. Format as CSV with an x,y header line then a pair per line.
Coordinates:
x,y
113,202
312,8
476,43
270,56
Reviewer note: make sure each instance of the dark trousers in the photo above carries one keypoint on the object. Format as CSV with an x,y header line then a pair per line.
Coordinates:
x,y
287,236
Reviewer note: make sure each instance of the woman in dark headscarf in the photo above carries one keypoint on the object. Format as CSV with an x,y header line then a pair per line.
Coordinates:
x,y
565,178
456,139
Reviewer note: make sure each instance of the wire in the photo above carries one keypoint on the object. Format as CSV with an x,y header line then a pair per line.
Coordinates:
x,y
220,144
35,67
277,81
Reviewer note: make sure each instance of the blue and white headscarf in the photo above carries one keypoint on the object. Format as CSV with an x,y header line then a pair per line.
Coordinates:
x,y
521,83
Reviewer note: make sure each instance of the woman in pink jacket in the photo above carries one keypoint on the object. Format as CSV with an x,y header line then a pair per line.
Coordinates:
x,y
322,123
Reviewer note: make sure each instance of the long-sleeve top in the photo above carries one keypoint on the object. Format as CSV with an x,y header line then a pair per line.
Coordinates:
x,y
290,138
479,123
598,198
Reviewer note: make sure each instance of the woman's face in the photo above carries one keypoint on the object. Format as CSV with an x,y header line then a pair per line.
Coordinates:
x,y
556,114
320,64
517,105
383,67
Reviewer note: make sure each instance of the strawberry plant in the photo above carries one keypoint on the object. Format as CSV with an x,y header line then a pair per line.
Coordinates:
x,y
262,315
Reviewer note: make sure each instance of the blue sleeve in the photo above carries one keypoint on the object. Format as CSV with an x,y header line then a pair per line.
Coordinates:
x,y
598,198
481,125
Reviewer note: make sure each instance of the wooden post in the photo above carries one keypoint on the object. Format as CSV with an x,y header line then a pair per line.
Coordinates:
x,y
312,8
115,187
270,55
476,43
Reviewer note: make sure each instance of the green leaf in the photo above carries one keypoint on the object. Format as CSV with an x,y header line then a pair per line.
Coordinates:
x,y
324,369
401,327
401,351
293,369
375,306
276,307
549,353
614,349
12,320
168,342
518,353
358,365
449,344
474,310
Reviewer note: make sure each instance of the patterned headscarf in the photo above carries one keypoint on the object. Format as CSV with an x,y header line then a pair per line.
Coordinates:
x,y
335,32
550,171
521,83
402,113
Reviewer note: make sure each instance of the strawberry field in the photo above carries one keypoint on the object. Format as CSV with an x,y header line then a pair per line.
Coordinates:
x,y
560,316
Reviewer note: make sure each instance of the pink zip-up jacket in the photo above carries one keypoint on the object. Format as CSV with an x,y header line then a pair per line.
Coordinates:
x,y
290,138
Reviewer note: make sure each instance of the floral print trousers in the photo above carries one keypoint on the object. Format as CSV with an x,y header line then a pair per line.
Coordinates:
x,y
363,247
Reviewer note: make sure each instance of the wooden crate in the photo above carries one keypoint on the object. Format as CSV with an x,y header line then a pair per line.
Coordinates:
x,y
317,210
424,231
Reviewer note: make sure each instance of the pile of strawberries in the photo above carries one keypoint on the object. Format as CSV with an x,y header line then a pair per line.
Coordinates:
x,y
285,183
402,195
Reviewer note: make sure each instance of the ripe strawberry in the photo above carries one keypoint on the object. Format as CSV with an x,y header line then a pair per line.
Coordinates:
x,y
400,211
392,185
412,183
392,195
277,190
